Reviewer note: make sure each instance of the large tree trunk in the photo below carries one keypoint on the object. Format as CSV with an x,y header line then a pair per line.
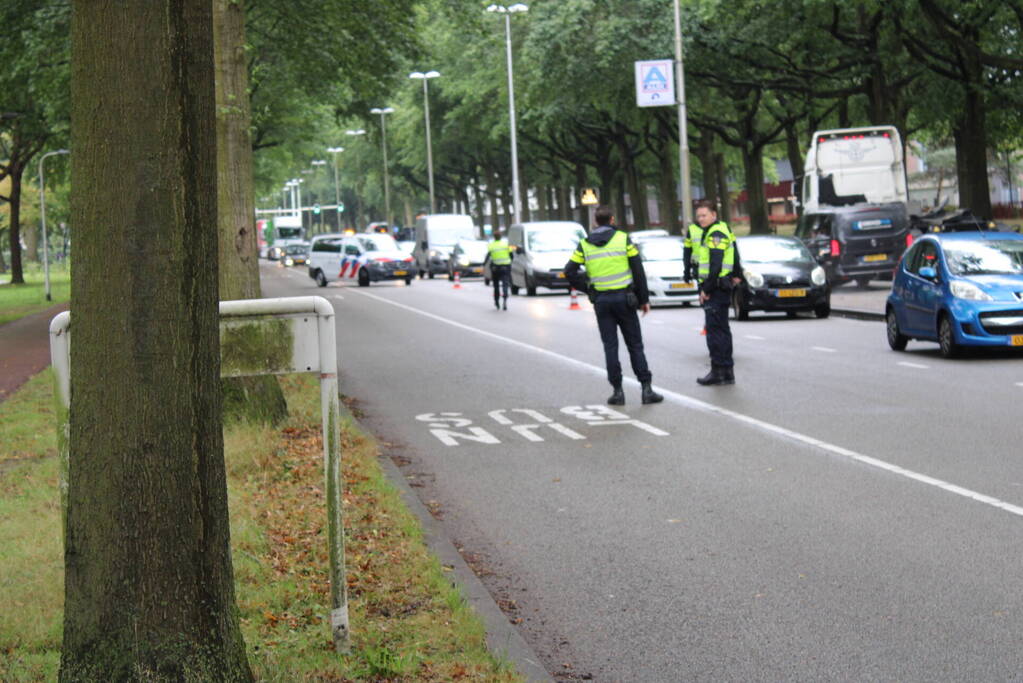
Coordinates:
x,y
257,399
756,201
708,167
795,156
30,234
724,195
14,230
149,590
971,156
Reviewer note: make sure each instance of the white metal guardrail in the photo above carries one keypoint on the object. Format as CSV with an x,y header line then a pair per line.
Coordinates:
x,y
258,337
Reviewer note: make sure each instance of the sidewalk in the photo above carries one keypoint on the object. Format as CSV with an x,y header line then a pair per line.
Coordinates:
x,y
25,348
868,303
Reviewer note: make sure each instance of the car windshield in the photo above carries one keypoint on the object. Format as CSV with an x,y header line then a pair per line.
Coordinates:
x,y
474,249
446,236
661,250
985,257
773,251
289,233
554,240
297,248
378,243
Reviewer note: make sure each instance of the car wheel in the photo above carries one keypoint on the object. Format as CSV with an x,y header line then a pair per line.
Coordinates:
x,y
422,273
791,314
863,281
739,308
896,339
431,274
486,281
364,278
822,310
947,339
451,276
530,286
515,289
321,279
408,281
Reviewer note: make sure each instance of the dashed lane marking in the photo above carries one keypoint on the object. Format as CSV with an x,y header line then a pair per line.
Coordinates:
x,y
691,402
754,337
918,366
824,349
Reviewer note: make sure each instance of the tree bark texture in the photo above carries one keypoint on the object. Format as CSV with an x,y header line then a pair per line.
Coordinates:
x,y
257,399
14,230
723,193
756,201
149,591
971,155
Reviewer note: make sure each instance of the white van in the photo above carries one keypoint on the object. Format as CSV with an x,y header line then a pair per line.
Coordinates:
x,y
541,250
849,166
436,236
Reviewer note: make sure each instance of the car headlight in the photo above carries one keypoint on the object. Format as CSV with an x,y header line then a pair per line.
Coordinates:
x,y
754,278
967,290
463,261
289,262
818,276
433,253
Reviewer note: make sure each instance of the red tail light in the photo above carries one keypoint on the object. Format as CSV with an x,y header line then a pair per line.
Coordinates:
x,y
836,248
909,240
408,259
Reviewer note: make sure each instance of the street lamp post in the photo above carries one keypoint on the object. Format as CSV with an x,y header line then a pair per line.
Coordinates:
x,y
337,188
42,220
383,138
318,162
683,138
429,146
356,205
507,11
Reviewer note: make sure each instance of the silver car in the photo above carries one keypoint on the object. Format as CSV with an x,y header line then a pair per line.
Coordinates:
x,y
665,266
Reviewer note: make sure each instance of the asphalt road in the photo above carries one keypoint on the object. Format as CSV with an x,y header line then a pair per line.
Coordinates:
x,y
844,512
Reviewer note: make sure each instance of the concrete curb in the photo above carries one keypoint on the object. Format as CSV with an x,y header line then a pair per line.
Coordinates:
x,y
503,639
857,314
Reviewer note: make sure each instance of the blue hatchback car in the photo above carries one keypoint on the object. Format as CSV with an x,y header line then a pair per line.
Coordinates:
x,y
959,289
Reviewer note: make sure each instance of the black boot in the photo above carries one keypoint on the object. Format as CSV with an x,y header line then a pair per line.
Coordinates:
x,y
715,376
497,304
617,398
729,375
506,303
649,395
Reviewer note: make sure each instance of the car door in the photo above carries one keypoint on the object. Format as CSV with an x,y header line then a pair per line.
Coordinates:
x,y
923,294
516,240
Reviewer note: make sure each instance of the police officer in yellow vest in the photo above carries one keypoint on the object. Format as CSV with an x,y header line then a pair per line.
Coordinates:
x,y
499,254
718,269
690,244
616,284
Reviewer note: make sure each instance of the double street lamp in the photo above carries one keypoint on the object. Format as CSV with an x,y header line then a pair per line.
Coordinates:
x,y
507,11
383,138
425,77
42,219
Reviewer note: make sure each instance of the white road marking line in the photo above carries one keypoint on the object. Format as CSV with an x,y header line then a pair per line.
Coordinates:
x,y
1019,384
754,337
691,402
918,366
336,296
824,349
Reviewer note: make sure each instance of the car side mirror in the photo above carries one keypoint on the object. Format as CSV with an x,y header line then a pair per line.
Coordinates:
x,y
928,273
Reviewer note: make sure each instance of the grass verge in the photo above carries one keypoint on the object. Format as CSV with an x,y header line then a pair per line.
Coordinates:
x,y
17,301
408,622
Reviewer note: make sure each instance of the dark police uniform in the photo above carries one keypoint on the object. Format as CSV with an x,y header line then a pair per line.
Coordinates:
x,y
616,283
718,263
499,254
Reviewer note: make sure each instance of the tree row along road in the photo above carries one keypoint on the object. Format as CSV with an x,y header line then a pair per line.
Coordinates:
x,y
840,513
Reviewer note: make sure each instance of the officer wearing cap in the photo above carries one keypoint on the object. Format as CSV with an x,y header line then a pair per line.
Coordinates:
x,y
616,284
718,268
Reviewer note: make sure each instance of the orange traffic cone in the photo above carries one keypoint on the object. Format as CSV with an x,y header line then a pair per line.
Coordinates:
x,y
458,281
573,300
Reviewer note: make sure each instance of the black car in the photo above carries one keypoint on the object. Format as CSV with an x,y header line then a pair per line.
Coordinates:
x,y
467,257
861,242
779,274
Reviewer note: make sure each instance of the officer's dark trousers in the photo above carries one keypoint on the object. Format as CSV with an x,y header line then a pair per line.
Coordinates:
x,y
719,335
613,313
502,278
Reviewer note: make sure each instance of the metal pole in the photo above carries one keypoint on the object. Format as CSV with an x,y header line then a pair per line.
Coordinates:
x,y
42,220
387,181
683,134
511,116
429,144
337,196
